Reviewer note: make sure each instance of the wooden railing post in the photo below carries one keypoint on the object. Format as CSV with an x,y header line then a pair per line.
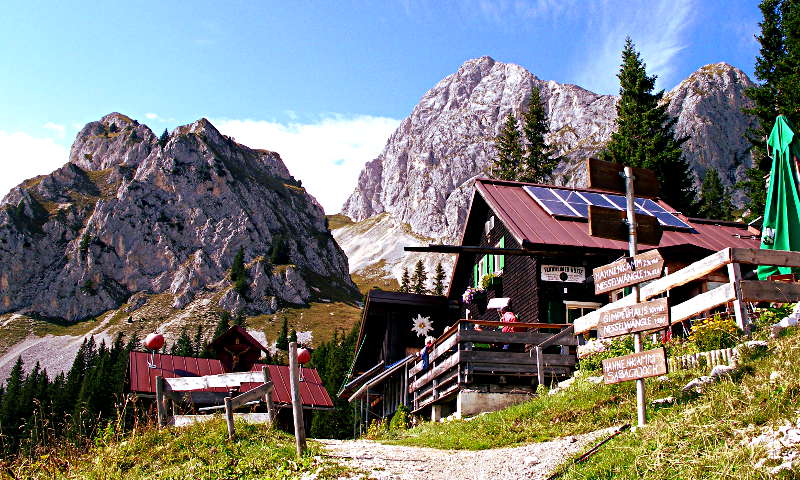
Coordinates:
x,y
735,277
268,397
297,405
160,407
539,366
229,417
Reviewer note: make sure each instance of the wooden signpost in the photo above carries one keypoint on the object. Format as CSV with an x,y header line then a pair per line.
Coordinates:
x,y
636,366
628,271
611,223
641,317
611,176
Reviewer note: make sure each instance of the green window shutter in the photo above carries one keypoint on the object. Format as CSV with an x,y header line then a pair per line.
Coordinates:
x,y
475,275
502,258
490,263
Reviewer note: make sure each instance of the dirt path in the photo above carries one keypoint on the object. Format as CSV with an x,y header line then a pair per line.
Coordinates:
x,y
391,462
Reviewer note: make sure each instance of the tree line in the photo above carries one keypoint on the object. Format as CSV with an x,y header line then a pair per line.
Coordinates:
x,y
417,283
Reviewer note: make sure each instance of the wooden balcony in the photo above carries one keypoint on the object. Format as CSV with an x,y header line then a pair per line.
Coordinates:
x,y
467,358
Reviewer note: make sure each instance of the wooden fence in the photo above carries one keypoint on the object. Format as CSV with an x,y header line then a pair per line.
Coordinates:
x,y
736,291
709,359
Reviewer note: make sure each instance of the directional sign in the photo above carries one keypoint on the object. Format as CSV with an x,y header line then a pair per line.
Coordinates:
x,y
608,176
628,271
640,317
650,363
610,223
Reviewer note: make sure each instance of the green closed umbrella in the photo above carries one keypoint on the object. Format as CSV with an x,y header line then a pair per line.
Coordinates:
x,y
781,230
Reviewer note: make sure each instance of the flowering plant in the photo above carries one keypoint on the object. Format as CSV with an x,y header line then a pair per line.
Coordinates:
x,y
422,325
471,294
592,347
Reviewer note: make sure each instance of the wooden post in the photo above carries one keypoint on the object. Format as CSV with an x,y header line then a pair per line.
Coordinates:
x,y
160,407
735,277
539,366
633,249
229,417
297,405
268,398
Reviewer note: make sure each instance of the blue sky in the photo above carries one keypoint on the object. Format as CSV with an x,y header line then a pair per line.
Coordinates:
x,y
324,83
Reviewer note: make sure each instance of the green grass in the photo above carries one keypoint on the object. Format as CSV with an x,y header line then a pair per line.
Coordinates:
x,y
700,436
200,451
337,221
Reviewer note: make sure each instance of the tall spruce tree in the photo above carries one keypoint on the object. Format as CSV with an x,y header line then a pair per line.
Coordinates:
x,y
438,280
223,324
645,136
183,345
282,342
405,282
163,139
715,199
777,66
540,160
510,154
419,278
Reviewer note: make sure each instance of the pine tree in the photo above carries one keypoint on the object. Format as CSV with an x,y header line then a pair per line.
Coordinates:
x,y
238,275
332,360
240,320
183,346
539,161
164,138
438,280
715,199
778,93
282,342
197,341
9,419
510,154
405,282
645,136
292,337
223,325
419,278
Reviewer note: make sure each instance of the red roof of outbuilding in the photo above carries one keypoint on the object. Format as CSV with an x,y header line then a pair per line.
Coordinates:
x,y
531,225
143,378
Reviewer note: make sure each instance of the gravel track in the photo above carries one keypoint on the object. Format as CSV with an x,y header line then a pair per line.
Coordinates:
x,y
393,462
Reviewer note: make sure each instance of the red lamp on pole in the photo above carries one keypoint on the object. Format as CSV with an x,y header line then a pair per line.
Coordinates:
x,y
303,357
153,342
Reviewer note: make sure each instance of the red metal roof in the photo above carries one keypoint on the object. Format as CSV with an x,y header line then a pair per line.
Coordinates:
x,y
528,222
143,378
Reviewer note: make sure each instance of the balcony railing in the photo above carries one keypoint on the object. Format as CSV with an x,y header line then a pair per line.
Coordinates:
x,y
456,362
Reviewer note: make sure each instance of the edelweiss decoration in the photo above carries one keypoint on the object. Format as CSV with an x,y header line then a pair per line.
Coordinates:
x,y
422,325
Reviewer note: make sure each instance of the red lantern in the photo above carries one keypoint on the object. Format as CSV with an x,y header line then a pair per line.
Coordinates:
x,y
154,341
303,356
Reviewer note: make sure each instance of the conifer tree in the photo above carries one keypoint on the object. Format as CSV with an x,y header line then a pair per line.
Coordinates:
x,y
539,161
419,278
715,199
510,154
13,388
197,341
405,282
240,320
778,93
238,275
292,337
183,346
438,280
645,136
223,325
333,359
282,342
164,138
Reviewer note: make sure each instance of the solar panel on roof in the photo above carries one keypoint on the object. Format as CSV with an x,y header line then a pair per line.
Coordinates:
x,y
571,203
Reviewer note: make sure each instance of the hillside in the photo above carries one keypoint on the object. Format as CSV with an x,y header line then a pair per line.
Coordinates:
x,y
140,233
422,181
743,426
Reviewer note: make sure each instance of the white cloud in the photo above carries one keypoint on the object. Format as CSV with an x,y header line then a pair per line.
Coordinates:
x,y
327,155
657,28
56,128
24,157
151,116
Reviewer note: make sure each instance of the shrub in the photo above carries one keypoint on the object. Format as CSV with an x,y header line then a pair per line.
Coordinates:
x,y
377,429
714,332
401,419
770,316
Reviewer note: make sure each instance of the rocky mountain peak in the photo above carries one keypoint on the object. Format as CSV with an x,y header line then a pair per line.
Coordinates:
x,y
128,216
115,139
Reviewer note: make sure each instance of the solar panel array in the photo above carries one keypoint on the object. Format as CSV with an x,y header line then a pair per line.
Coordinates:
x,y
571,203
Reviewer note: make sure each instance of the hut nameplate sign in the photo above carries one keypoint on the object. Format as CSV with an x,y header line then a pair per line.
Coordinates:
x,y
612,224
640,317
650,363
563,273
628,271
